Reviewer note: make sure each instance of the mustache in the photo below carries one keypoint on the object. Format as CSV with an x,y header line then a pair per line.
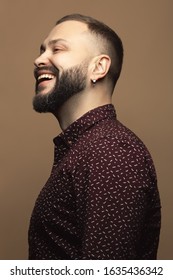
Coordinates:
x,y
52,69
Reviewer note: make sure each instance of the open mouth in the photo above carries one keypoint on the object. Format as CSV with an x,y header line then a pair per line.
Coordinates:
x,y
45,78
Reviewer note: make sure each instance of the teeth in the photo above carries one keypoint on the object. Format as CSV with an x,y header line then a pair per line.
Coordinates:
x,y
45,76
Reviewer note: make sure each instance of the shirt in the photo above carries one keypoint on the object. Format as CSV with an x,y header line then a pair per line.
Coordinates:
x,y
101,200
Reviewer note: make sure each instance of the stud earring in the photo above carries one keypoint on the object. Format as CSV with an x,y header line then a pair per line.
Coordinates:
x,y
94,81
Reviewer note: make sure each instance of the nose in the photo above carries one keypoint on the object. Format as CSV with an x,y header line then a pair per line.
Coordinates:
x,y
42,60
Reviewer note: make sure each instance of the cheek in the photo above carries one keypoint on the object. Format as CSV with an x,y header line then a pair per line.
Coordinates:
x,y
64,61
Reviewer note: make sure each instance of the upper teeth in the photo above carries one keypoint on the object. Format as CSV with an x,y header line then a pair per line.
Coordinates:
x,y
46,76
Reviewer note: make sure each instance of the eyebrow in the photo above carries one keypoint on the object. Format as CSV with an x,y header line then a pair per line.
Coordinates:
x,y
52,42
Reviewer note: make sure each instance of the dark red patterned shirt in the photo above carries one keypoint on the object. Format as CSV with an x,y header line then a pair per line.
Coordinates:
x,y
101,200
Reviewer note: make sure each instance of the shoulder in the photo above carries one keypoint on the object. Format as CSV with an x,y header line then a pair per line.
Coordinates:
x,y
115,137
118,145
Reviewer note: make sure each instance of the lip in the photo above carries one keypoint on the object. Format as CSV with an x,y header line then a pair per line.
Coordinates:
x,y
44,85
38,73
45,82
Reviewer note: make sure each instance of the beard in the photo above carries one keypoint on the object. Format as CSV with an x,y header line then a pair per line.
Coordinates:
x,y
71,82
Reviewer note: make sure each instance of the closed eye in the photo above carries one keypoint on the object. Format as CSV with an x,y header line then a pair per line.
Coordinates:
x,y
56,50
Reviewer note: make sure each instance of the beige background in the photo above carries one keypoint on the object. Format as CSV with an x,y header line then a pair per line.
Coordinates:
x,y
143,98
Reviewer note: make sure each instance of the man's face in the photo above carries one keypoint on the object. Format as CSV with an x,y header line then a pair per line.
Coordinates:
x,y
62,67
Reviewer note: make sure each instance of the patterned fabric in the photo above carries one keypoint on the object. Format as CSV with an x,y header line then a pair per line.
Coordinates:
x,y
101,200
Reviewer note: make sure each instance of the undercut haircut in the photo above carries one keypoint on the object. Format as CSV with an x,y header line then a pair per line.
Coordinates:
x,y
111,42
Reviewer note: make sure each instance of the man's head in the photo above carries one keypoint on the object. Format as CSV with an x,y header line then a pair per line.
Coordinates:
x,y
78,51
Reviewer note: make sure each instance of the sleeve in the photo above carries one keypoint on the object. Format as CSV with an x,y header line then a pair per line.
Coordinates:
x,y
114,190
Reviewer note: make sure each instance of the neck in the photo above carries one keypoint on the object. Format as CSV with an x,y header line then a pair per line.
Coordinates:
x,y
78,105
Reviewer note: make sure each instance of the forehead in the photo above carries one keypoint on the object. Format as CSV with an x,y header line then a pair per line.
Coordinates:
x,y
69,31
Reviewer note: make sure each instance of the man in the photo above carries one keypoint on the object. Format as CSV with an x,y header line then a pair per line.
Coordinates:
x,y
101,200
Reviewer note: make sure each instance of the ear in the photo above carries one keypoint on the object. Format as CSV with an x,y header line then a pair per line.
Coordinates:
x,y
100,67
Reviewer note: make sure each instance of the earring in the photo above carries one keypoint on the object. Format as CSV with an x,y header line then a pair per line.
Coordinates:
x,y
94,81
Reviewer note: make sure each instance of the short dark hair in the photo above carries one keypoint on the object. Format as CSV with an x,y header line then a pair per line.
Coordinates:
x,y
114,46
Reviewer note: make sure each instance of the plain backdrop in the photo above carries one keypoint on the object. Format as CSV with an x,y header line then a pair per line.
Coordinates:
x,y
143,99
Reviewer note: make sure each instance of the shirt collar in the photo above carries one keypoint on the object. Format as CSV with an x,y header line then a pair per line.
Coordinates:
x,y
77,128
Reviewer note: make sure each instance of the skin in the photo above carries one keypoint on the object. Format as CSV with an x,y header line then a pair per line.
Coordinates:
x,y
67,45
